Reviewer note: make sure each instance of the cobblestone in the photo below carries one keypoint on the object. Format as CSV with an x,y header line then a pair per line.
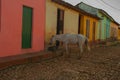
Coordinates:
x,y
102,63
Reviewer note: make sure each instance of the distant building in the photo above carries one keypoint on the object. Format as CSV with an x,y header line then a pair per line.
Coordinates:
x,y
104,25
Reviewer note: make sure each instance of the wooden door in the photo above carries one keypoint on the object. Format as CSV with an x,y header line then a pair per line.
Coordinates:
x,y
27,27
60,23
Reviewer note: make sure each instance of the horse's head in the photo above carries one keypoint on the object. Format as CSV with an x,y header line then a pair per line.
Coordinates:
x,y
52,40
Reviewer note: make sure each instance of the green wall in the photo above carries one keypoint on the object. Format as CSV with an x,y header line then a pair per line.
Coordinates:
x,y
104,25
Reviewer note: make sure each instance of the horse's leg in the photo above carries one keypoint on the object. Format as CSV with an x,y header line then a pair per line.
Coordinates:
x,y
87,45
69,48
78,43
66,45
80,50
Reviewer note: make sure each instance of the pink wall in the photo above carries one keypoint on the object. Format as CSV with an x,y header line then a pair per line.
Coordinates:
x,y
11,26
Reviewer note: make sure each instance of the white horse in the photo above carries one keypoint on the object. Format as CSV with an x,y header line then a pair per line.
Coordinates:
x,y
67,39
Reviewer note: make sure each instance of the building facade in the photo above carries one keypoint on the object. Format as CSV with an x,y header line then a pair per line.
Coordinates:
x,y
104,25
103,29
62,18
114,30
21,27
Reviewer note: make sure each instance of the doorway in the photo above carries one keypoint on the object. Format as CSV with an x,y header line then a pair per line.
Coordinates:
x,y
27,27
94,26
79,24
60,23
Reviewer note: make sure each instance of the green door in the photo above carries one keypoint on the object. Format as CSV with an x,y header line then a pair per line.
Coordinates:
x,y
26,27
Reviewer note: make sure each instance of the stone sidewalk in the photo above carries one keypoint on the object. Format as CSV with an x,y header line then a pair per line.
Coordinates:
x,y
26,58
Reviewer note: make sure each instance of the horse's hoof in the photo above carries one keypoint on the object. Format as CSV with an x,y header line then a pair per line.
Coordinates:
x,y
67,56
79,58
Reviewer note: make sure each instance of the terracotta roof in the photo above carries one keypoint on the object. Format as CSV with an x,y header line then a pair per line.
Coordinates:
x,y
63,3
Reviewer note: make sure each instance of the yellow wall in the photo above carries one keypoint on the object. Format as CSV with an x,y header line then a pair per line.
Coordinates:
x,y
70,22
51,20
91,27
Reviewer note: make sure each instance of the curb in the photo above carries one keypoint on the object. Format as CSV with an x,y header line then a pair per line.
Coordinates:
x,y
9,61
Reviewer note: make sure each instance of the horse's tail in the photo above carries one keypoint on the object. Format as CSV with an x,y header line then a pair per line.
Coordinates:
x,y
87,43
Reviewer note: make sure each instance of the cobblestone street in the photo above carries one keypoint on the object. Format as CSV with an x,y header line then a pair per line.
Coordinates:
x,y
102,63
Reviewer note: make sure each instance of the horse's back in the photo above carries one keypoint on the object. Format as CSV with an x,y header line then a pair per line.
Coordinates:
x,y
71,38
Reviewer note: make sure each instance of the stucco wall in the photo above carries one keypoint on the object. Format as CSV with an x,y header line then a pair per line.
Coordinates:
x,y
102,27
113,30
71,22
105,27
11,26
91,27
51,20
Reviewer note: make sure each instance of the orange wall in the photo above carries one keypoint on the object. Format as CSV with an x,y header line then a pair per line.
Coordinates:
x,y
83,27
11,26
